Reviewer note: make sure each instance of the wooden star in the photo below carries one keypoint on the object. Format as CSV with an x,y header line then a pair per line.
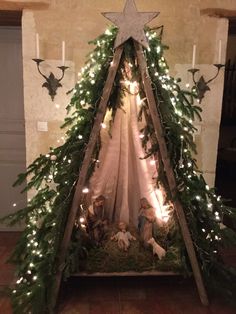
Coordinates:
x,y
131,23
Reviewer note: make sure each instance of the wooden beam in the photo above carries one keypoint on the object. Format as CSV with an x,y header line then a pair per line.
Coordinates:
x,y
128,274
84,169
169,172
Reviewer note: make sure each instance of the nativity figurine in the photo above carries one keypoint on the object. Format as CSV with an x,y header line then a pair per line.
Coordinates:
x,y
146,221
97,221
157,249
123,237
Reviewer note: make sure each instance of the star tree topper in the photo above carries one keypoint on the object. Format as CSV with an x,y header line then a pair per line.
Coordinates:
x,y
131,23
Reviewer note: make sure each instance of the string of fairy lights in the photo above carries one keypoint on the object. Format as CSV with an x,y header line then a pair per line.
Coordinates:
x,y
31,275
167,83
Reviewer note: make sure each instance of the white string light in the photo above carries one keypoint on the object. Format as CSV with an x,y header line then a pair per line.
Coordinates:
x,y
85,190
152,162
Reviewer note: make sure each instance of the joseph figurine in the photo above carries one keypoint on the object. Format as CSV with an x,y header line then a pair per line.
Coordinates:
x,y
96,219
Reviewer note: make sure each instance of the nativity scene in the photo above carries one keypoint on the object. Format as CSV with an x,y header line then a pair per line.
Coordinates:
x,y
123,194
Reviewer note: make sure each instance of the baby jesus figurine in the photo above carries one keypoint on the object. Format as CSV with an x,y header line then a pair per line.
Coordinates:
x,y
123,237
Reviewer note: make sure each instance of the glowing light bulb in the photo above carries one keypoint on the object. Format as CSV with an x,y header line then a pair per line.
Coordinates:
x,y
19,280
14,205
108,32
198,197
82,219
85,190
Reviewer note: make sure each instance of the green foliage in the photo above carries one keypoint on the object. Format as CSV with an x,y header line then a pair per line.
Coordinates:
x,y
52,178
109,258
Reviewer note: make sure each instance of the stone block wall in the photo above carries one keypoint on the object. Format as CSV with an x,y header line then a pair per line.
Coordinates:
x,y
77,21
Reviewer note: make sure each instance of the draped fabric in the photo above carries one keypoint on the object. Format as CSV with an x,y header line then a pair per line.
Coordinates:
x,y
122,177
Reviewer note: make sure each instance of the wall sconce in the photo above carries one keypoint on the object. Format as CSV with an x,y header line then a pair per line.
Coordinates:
x,y
202,85
52,83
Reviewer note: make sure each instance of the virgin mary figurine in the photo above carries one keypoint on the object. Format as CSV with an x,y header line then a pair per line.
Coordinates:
x,y
146,221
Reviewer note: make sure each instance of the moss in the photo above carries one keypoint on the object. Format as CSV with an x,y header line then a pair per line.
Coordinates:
x,y
109,258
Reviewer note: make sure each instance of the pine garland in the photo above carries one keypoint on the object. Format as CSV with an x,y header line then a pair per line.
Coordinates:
x,y
53,176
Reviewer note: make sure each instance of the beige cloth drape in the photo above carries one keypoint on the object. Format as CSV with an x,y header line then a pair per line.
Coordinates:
x,y
122,177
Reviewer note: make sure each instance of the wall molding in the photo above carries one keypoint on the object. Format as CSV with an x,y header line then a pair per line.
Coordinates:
x,y
221,13
20,5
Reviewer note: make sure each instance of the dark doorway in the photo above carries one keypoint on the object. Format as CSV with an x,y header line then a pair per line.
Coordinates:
x,y
226,161
12,122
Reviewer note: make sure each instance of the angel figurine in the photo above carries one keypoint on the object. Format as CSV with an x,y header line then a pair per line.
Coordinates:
x,y
123,237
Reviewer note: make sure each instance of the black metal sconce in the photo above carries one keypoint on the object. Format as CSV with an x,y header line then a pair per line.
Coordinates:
x,y
52,83
202,85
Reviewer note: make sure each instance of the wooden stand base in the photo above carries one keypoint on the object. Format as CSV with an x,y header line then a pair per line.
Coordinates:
x,y
128,274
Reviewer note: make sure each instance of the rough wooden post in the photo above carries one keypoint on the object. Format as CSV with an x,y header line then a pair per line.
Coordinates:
x,y
84,169
169,172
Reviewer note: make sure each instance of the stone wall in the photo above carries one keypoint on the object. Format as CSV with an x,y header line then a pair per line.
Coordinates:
x,y
78,21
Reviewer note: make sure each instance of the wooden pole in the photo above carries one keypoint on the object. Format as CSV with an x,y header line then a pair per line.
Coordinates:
x,y
169,172
83,172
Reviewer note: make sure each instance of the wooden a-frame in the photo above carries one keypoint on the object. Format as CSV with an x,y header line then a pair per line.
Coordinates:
x,y
152,106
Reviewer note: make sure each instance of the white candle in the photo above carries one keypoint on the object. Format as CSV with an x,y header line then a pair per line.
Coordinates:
x,y
63,53
219,52
37,45
194,56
